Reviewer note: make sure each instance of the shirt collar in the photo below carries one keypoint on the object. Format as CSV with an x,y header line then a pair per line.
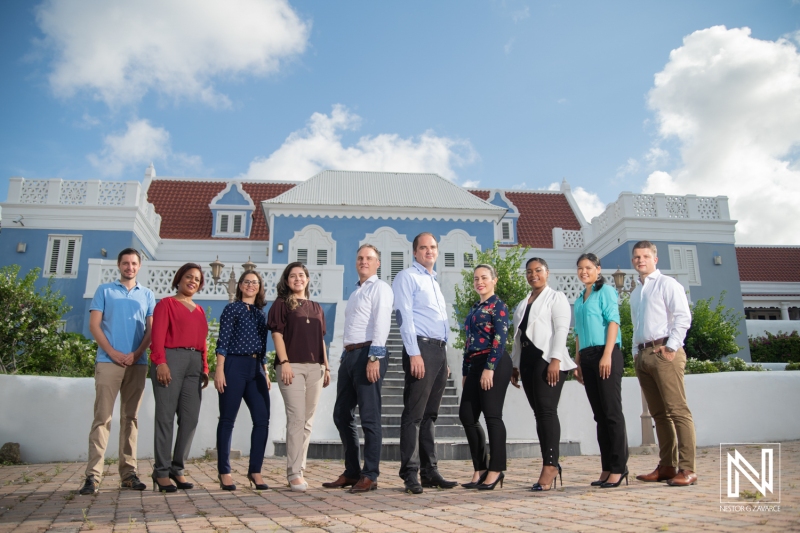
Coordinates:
x,y
118,282
490,300
372,279
654,275
423,270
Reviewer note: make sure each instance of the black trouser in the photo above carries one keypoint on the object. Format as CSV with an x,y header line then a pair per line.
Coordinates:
x,y
353,388
421,400
605,397
543,399
474,401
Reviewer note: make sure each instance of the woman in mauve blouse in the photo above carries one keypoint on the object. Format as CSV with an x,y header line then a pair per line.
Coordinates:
x,y
179,371
301,364
242,374
486,374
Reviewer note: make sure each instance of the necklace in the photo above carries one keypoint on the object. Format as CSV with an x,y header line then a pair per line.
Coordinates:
x,y
308,312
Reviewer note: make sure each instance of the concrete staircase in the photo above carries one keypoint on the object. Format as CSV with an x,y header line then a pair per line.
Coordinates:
x,y
451,441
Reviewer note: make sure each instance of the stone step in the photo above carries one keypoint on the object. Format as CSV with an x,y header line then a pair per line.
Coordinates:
x,y
392,399
393,432
397,410
446,449
394,420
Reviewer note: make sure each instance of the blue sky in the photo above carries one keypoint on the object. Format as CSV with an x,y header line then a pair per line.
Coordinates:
x,y
494,94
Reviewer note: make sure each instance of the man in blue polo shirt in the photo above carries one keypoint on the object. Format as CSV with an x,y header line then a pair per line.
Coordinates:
x,y
120,320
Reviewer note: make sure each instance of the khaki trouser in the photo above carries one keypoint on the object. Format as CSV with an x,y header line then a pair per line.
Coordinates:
x,y
111,379
662,385
300,399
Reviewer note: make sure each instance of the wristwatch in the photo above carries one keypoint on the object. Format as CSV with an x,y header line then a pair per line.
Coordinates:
x,y
373,358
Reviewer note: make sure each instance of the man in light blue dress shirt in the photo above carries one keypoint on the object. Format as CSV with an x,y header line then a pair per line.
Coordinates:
x,y
421,313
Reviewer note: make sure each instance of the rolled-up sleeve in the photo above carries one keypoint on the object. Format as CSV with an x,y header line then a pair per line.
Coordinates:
x,y
678,312
382,322
403,288
609,305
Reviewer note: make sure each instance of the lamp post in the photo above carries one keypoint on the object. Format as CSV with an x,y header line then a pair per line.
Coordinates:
x,y
648,446
216,274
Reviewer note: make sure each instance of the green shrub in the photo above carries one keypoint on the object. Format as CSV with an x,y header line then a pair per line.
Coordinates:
x,y
696,366
734,364
713,332
792,366
780,348
63,354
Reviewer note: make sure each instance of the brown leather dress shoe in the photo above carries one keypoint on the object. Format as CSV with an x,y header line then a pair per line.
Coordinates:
x,y
340,483
661,473
364,484
683,479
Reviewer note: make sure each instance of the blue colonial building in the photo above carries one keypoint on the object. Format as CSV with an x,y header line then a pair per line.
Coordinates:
x,y
73,230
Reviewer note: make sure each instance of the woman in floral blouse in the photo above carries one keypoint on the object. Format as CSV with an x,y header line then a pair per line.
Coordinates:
x,y
486,375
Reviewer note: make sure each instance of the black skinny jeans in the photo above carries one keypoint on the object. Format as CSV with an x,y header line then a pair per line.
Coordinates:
x,y
543,399
474,401
605,397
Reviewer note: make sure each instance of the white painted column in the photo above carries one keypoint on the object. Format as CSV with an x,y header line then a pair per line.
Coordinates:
x,y
53,191
785,310
14,190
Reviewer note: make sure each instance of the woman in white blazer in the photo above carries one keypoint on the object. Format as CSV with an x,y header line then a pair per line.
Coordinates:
x,y
541,361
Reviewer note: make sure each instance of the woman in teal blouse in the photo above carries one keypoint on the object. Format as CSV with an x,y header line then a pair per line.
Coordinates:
x,y
600,361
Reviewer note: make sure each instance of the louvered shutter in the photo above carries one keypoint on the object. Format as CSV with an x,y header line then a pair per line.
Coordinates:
x,y
449,259
302,255
69,260
506,231
54,253
397,264
691,265
677,259
468,259
237,224
322,257
223,223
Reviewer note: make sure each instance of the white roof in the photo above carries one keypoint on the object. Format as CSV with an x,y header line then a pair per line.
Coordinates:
x,y
382,189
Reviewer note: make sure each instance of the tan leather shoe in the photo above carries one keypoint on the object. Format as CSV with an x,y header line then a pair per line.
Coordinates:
x,y
340,483
364,484
684,478
661,473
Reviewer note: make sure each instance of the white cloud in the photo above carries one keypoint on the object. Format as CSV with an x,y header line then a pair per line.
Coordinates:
x,y
732,103
139,145
630,167
471,183
521,14
522,185
509,46
119,50
588,202
319,147
561,101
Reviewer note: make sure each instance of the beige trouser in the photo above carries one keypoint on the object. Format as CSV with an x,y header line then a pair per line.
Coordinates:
x,y
110,380
300,399
662,385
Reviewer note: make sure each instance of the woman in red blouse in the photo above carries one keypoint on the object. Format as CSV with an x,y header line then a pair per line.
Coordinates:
x,y
301,364
179,371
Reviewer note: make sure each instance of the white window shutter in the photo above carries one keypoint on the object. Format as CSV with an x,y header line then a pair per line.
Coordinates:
x,y
302,255
54,253
69,260
322,257
468,259
397,264
506,231
677,259
237,224
691,265
223,223
449,259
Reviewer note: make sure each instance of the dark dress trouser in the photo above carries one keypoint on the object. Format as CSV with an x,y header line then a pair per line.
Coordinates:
x,y
605,397
244,379
182,396
544,400
421,401
474,401
353,388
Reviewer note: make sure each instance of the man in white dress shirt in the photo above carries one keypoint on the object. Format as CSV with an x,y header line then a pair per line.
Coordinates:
x,y
661,317
364,361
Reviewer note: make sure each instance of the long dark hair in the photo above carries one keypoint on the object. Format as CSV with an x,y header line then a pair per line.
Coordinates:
x,y
596,262
261,300
283,285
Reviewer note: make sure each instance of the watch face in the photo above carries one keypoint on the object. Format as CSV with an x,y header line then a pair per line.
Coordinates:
x,y
373,358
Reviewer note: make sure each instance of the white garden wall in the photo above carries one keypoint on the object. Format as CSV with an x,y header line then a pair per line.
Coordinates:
x,y
50,417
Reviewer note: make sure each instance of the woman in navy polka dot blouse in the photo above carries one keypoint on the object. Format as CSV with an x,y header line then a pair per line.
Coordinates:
x,y
242,374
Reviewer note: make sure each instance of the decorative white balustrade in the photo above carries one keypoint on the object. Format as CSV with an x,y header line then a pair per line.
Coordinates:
x,y
567,239
689,207
325,282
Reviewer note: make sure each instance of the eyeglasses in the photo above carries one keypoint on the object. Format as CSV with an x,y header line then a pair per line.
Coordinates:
x,y
249,282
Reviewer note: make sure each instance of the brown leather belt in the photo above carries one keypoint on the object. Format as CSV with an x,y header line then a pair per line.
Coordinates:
x,y
351,347
653,344
435,342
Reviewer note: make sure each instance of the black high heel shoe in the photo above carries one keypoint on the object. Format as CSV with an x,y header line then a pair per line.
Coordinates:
x,y
599,481
183,485
162,488
474,484
223,486
491,486
537,487
259,486
608,485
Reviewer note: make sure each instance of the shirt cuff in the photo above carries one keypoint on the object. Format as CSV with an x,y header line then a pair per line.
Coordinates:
x,y
222,351
378,351
673,345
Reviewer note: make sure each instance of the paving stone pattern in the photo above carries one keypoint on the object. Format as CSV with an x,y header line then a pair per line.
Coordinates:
x,y
43,497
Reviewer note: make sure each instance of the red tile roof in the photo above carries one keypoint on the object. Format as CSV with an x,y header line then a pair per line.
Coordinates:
x,y
769,264
183,206
539,213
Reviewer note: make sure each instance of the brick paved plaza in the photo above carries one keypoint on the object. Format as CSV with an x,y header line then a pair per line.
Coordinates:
x,y
43,497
